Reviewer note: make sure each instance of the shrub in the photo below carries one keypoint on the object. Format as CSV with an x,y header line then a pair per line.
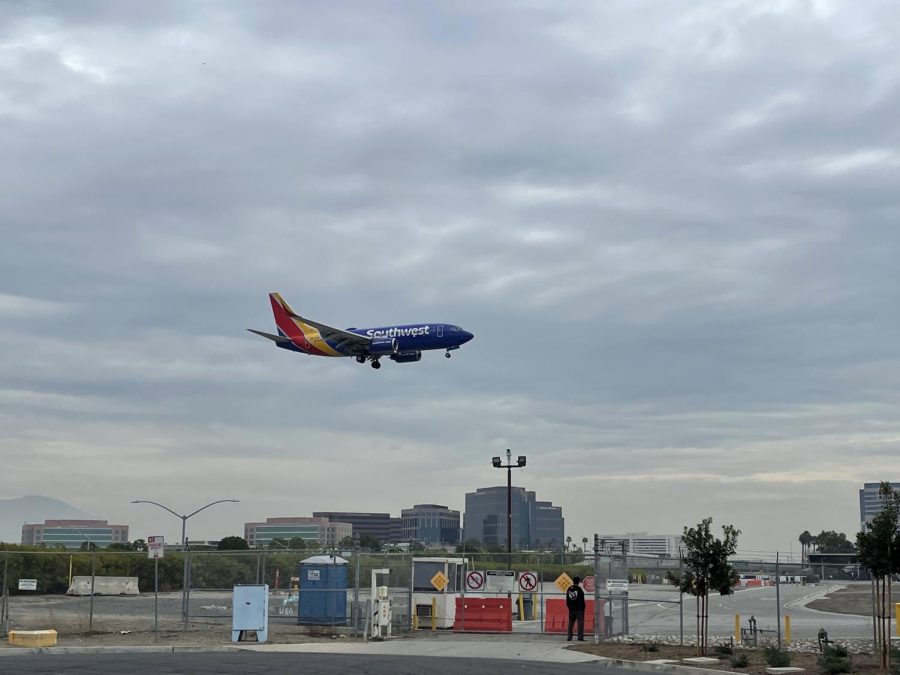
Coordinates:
x,y
650,647
740,661
834,660
723,650
776,658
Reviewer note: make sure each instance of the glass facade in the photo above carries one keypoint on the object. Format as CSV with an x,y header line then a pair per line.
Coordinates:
x,y
430,524
871,503
264,534
73,533
535,525
379,525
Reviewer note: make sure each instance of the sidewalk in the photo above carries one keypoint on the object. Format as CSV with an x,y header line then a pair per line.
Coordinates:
x,y
523,650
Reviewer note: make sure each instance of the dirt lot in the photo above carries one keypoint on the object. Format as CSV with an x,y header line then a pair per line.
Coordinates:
x,y
860,663
856,599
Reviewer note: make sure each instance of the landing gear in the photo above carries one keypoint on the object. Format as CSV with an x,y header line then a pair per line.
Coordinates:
x,y
360,359
376,364
447,355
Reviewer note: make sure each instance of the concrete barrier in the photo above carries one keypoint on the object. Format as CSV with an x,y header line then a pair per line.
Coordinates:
x,y
32,638
104,586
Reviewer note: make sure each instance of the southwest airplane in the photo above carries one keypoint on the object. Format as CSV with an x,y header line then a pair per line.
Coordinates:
x,y
403,344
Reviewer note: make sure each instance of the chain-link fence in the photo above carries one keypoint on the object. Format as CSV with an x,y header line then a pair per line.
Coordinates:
x,y
78,592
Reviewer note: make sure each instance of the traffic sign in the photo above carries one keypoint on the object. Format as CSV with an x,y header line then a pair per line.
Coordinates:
x,y
500,581
617,585
563,581
527,581
155,547
440,581
588,584
474,580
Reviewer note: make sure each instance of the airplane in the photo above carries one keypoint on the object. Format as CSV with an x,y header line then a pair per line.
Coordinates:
x,y
402,344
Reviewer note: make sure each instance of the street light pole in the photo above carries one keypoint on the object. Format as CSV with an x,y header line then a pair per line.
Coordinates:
x,y
185,590
509,466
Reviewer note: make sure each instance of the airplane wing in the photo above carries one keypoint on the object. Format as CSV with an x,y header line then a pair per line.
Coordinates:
x,y
342,337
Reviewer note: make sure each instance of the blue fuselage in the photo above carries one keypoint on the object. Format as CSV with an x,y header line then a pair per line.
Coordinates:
x,y
419,336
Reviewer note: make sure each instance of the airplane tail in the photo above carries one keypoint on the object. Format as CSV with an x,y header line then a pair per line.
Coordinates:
x,y
288,321
279,303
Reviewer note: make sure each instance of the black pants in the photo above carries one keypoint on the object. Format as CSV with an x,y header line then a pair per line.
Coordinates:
x,y
576,615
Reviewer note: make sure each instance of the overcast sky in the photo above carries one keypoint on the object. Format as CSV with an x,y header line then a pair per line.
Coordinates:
x,y
672,228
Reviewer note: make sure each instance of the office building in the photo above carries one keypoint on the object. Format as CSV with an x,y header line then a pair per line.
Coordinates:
x,y
430,524
641,543
74,533
314,531
379,525
871,502
535,524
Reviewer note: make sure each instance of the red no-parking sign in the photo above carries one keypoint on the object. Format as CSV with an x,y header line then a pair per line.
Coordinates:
x,y
527,581
474,580
589,583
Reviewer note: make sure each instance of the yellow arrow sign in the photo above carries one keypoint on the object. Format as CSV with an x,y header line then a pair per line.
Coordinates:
x,y
563,581
440,581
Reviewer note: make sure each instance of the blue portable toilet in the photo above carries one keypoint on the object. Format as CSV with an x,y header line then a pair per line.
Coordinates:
x,y
323,591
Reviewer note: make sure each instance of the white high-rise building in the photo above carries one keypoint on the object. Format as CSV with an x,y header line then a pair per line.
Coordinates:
x,y
641,543
871,503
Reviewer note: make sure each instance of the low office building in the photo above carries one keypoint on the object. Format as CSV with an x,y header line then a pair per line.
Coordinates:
x,y
430,524
314,531
74,533
381,526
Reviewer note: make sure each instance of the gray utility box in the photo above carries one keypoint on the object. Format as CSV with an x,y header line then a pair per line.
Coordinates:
x,y
250,611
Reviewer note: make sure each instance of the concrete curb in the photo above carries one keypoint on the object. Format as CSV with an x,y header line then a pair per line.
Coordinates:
x,y
130,649
605,662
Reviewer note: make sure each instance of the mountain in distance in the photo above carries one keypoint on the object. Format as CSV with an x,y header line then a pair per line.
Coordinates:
x,y
32,509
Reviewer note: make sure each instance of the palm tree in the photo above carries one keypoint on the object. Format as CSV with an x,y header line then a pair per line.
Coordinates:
x,y
584,541
568,543
805,539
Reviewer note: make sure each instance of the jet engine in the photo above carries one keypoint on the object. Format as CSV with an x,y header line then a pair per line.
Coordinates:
x,y
407,357
382,346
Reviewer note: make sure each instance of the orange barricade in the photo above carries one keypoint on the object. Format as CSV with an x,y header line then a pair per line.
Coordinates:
x,y
556,619
483,615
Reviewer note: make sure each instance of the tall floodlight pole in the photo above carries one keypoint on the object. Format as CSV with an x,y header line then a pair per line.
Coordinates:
x,y
497,463
184,544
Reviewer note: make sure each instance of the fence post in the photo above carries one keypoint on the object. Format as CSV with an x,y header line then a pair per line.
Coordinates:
x,y
356,593
4,611
778,596
541,586
412,611
597,589
680,604
156,598
787,628
187,587
93,573
737,629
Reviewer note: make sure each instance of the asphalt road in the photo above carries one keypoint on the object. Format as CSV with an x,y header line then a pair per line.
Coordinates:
x,y
269,664
648,614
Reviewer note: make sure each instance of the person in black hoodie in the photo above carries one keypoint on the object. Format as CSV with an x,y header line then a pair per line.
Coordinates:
x,y
575,605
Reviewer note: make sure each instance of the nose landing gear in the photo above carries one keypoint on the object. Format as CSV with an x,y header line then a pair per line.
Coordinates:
x,y
376,364
447,355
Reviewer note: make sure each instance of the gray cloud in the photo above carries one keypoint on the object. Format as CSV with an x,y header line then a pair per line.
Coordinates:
x,y
672,231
